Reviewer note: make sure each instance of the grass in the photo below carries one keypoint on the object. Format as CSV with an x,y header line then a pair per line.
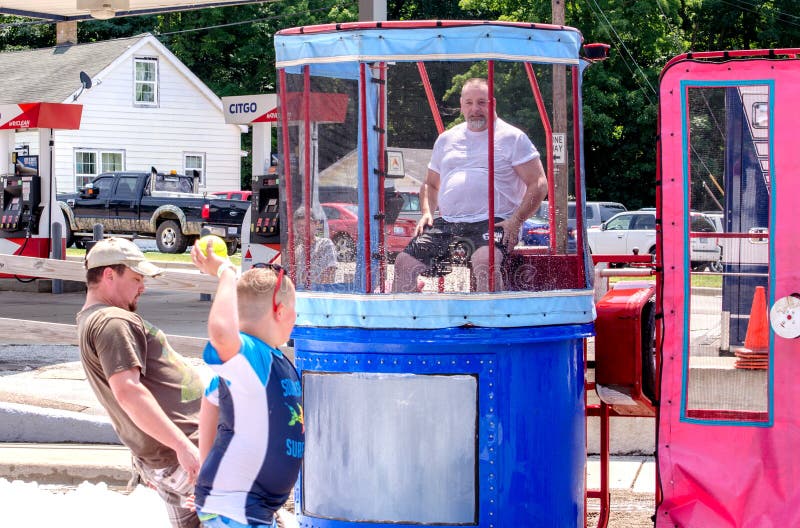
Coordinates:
x,y
699,280
157,256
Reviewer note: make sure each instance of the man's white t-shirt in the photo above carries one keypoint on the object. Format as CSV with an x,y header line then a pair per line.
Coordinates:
x,y
460,157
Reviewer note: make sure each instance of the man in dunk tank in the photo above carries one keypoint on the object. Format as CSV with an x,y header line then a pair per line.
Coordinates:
x,y
728,426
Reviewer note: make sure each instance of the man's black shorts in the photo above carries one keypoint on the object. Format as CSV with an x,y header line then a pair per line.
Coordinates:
x,y
433,244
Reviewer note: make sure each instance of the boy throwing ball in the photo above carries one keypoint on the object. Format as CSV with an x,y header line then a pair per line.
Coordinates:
x,y
251,419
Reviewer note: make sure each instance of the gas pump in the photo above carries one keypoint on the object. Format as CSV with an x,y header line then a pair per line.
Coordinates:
x,y
265,218
21,199
28,206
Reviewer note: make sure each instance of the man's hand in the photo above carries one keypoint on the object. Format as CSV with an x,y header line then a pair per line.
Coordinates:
x,y
510,231
426,220
189,459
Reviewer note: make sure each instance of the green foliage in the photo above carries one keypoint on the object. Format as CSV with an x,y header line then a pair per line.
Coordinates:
x,y
231,49
17,33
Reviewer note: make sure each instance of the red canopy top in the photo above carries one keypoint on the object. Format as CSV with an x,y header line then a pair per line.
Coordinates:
x,y
40,115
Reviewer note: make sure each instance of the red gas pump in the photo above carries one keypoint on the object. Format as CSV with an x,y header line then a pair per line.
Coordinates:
x,y
28,207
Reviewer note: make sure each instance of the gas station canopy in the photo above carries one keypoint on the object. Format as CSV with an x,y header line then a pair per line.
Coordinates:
x,y
40,115
67,10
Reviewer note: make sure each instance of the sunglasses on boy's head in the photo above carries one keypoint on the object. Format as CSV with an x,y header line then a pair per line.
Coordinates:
x,y
280,272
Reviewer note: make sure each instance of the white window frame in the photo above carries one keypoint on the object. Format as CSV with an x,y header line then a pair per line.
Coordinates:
x,y
202,170
154,83
82,179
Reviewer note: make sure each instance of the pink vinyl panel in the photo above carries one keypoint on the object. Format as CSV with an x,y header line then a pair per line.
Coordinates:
x,y
729,470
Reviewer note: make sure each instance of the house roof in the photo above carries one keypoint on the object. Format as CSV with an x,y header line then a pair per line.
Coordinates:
x,y
53,74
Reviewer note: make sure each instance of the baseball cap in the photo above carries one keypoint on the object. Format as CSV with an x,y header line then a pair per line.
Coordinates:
x,y
111,251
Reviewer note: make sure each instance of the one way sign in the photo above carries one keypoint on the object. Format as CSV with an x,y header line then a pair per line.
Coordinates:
x,y
560,149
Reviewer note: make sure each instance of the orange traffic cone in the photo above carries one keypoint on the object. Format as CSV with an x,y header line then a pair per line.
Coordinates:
x,y
755,352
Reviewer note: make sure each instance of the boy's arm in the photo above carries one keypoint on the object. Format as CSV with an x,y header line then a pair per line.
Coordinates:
x,y
223,318
209,418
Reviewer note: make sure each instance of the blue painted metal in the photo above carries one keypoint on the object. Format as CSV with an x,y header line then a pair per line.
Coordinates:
x,y
531,436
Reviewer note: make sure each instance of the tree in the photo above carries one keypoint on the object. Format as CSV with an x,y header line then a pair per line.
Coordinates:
x,y
17,33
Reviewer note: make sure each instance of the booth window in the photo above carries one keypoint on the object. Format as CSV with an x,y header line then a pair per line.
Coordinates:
x,y
195,161
87,165
145,81
727,374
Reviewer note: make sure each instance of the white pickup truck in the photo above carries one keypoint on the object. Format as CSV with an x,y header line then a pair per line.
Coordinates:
x,y
630,230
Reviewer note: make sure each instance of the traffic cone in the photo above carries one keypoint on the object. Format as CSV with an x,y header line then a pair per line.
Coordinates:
x,y
755,352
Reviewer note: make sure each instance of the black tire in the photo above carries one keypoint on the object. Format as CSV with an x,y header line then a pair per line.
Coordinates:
x,y
233,246
460,252
649,351
345,247
170,239
69,238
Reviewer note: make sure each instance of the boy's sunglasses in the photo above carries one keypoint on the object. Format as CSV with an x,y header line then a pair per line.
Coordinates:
x,y
280,272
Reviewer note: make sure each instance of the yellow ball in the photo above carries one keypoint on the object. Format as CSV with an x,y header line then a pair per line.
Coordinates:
x,y
218,245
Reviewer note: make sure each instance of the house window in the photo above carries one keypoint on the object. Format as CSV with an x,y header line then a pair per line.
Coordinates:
x,y
90,163
195,161
145,81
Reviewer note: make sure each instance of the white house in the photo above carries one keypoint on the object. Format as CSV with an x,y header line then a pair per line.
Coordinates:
x,y
145,109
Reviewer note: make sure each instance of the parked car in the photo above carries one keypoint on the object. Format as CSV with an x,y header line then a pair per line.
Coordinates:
x,y
595,214
535,231
342,219
630,230
233,195
716,218
411,207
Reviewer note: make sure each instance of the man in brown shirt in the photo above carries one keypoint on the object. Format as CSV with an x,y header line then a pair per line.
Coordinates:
x,y
150,392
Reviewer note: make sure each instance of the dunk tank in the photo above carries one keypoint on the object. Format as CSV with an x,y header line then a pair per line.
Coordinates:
x,y
446,406
728,428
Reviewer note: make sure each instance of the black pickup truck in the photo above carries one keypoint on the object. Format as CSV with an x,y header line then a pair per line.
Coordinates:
x,y
166,207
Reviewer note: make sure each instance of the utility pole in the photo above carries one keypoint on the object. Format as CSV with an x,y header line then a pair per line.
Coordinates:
x,y
371,10
559,125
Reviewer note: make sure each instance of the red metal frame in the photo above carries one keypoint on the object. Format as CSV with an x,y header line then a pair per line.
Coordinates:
x,y
287,169
579,202
426,83
790,53
410,24
548,138
603,412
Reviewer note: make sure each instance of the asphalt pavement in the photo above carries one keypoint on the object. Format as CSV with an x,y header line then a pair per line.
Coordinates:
x,y
53,430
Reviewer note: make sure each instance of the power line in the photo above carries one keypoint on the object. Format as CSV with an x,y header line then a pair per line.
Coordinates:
x,y
754,10
625,48
673,31
241,22
756,6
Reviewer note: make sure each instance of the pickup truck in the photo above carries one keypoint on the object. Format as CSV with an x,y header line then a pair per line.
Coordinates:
x,y
166,207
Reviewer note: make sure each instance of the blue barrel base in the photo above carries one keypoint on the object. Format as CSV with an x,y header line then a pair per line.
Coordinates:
x,y
448,427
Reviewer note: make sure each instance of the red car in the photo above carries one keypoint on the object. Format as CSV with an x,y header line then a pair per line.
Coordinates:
x,y
233,195
343,230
